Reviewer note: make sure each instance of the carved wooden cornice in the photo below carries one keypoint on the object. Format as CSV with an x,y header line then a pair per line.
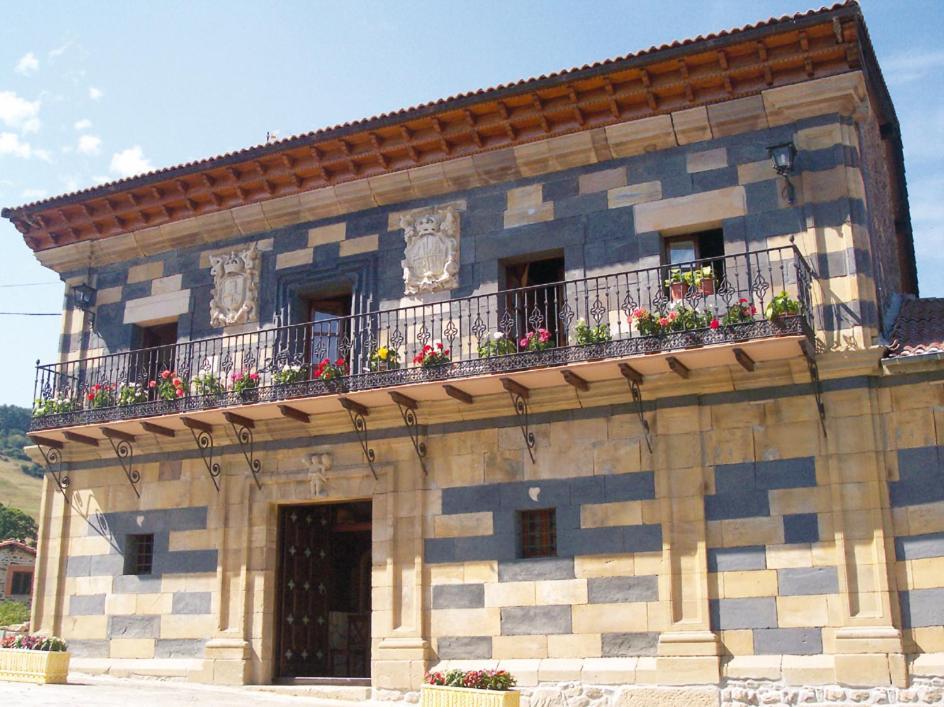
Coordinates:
x,y
705,71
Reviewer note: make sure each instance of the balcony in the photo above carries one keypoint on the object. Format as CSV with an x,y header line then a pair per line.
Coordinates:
x,y
716,313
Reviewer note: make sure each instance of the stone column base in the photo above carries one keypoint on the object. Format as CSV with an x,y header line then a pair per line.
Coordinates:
x,y
400,664
226,662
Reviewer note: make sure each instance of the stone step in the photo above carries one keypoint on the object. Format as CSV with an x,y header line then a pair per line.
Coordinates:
x,y
342,693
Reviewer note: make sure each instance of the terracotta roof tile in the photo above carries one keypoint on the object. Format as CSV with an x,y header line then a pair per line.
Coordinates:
x,y
275,145
919,328
16,544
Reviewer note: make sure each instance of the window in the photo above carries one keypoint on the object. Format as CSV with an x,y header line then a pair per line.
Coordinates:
x,y
21,583
538,533
156,352
542,302
326,332
139,554
694,246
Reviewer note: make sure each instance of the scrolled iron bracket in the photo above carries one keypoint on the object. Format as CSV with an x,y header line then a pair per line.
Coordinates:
x,y
358,414
519,399
203,437
122,445
408,408
634,378
810,354
242,428
51,449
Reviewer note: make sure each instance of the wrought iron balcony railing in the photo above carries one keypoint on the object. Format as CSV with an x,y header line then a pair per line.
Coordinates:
x,y
720,300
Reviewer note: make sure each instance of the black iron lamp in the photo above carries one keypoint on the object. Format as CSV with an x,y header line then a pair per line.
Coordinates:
x,y
783,157
83,297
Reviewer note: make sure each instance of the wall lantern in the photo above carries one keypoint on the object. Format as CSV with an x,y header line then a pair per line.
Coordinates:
x,y
83,297
783,157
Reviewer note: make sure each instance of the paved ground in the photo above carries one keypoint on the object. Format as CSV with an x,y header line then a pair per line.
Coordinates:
x,y
88,691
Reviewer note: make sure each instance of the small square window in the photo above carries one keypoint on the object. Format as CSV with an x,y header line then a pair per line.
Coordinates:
x,y
22,583
139,554
538,533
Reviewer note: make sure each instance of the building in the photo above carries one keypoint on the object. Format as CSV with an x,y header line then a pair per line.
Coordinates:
x,y
684,492
16,570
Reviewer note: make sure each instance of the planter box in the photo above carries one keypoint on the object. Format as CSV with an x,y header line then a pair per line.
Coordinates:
x,y
442,696
34,666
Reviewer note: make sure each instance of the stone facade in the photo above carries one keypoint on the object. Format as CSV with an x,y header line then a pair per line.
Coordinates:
x,y
717,541
15,557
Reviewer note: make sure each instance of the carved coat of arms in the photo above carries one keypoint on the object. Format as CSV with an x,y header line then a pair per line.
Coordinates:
x,y
235,293
431,257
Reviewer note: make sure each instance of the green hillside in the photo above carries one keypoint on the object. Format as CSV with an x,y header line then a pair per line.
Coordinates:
x,y
20,478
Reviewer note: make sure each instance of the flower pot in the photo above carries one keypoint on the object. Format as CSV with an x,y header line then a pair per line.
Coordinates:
x,y
250,395
708,286
783,324
444,696
677,291
39,667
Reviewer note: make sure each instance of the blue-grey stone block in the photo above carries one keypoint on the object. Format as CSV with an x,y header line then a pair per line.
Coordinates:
x,y
471,499
78,565
625,645
135,584
751,557
134,626
765,224
178,648
106,565
788,641
741,504
758,612
486,547
567,519
611,225
712,179
922,607
562,188
136,290
915,547
641,538
800,528
587,489
536,569
86,605
799,581
185,562
637,486
459,596
763,196
191,603
550,493
439,550
920,477
86,648
535,620
612,590
464,647
794,473
734,478
677,185
590,541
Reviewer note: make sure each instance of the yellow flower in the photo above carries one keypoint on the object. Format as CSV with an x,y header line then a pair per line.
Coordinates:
x,y
382,353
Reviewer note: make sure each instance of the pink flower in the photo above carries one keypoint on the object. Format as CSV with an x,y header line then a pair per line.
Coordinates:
x,y
524,341
177,382
152,384
663,321
91,396
544,335
180,392
673,316
753,309
714,323
165,374
253,376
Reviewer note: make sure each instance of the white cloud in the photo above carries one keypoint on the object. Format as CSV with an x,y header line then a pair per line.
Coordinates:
x,y
10,144
83,124
95,93
89,144
33,194
16,112
101,179
60,50
27,65
130,162
911,66
923,134
42,154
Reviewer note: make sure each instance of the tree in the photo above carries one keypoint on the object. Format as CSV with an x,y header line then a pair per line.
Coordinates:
x,y
16,525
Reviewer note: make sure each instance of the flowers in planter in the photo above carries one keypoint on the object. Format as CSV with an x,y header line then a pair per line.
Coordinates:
x,y
290,374
500,680
649,323
680,281
782,305
101,396
131,394
384,358
537,340
56,405
587,334
170,386
33,642
206,384
328,370
243,381
497,344
739,313
432,355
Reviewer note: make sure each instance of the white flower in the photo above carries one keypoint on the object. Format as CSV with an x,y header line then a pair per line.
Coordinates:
x,y
498,335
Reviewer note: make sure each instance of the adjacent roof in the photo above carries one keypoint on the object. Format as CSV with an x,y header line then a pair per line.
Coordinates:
x,y
684,74
17,545
919,328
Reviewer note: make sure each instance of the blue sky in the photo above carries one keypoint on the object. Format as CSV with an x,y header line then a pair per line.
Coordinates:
x,y
93,91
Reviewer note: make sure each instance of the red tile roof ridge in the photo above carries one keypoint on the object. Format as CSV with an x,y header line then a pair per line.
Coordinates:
x,y
918,328
19,544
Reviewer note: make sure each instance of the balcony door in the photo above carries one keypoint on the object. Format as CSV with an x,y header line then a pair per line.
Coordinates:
x,y
328,331
156,351
539,305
